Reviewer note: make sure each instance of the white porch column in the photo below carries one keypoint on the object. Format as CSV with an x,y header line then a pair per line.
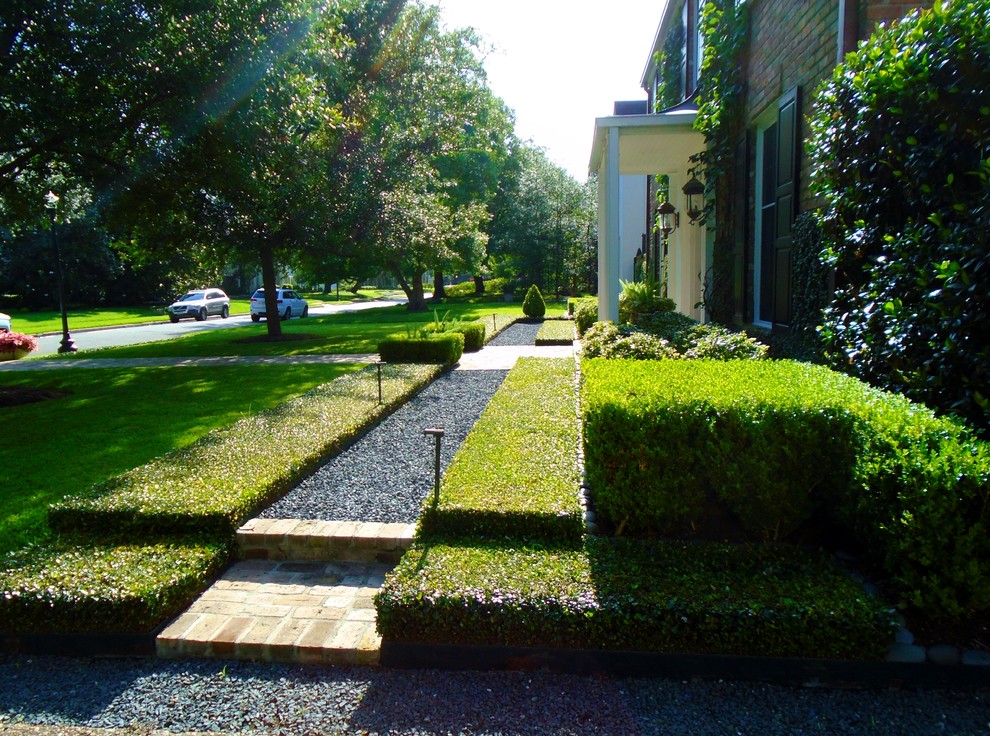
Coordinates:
x,y
608,230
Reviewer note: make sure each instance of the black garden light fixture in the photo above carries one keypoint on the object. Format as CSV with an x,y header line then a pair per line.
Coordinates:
x,y
695,210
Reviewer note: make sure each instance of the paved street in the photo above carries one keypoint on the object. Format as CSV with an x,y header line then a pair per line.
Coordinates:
x,y
165,330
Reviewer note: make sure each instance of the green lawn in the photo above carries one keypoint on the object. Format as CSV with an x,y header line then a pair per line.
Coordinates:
x,y
117,419
349,333
36,323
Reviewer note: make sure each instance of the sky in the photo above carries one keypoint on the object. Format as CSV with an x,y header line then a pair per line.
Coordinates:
x,y
559,64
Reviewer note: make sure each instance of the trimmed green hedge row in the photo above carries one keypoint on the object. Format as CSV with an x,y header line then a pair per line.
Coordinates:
x,y
778,445
631,594
81,586
516,473
474,333
216,483
555,332
444,348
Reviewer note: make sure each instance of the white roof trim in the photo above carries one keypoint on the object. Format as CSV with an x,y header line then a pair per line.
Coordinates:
x,y
648,144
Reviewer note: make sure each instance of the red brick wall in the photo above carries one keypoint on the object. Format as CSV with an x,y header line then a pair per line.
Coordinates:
x,y
874,12
793,43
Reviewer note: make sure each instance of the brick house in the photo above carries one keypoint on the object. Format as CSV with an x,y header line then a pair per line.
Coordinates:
x,y
793,45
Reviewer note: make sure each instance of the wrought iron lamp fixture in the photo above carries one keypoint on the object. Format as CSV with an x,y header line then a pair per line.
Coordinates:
x,y
695,210
667,218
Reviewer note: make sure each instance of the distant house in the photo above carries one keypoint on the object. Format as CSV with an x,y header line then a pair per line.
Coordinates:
x,y
793,46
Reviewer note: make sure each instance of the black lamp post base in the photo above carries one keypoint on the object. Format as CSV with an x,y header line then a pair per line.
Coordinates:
x,y
66,345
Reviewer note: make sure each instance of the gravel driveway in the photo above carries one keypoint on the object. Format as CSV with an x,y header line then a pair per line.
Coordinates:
x,y
197,696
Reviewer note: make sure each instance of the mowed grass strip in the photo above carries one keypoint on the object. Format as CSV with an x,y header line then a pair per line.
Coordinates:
x,y
516,473
115,419
556,332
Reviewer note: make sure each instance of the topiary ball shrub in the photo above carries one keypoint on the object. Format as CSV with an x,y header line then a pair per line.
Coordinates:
x,y
534,306
899,155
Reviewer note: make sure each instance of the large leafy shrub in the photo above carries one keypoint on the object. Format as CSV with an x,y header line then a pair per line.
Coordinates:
x,y
899,150
642,298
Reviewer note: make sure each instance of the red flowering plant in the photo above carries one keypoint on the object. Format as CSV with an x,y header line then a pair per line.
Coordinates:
x,y
12,341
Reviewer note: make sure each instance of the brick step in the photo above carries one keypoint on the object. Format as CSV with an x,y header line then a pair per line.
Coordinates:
x,y
304,612
295,539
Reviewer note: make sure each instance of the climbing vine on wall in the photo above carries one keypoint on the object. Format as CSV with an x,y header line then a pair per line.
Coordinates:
x,y
721,95
670,63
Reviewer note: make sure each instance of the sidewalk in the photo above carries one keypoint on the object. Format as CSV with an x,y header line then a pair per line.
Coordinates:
x,y
488,358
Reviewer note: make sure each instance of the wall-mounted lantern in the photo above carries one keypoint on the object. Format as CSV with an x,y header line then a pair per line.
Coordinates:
x,y
694,190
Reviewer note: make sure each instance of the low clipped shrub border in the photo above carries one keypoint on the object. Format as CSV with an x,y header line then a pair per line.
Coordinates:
x,y
216,483
779,444
444,348
474,333
555,332
524,447
633,595
83,586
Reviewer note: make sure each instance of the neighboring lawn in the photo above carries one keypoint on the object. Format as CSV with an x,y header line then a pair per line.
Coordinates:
x,y
349,333
36,323
117,419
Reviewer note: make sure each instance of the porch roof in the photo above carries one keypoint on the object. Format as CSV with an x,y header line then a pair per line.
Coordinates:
x,y
648,144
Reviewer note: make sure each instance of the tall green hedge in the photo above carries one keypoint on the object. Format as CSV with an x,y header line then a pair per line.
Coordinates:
x,y
671,445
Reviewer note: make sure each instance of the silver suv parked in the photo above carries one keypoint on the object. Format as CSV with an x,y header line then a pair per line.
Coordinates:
x,y
289,304
199,305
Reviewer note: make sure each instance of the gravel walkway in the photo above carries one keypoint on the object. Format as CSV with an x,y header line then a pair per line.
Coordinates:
x,y
387,474
520,333
275,699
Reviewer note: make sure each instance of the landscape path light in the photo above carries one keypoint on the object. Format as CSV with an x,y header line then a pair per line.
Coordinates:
x,y
437,435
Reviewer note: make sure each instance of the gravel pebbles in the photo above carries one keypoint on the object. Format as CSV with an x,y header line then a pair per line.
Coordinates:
x,y
387,474
280,699
519,333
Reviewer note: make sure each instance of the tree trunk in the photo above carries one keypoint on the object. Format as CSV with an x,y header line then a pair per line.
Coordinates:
x,y
271,291
412,289
479,286
438,291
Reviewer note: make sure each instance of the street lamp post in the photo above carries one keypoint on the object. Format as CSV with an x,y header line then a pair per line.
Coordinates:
x,y
65,345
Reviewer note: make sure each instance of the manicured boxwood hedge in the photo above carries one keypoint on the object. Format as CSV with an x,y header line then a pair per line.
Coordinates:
x,y
474,333
83,586
444,348
778,444
217,482
516,473
633,594
555,332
